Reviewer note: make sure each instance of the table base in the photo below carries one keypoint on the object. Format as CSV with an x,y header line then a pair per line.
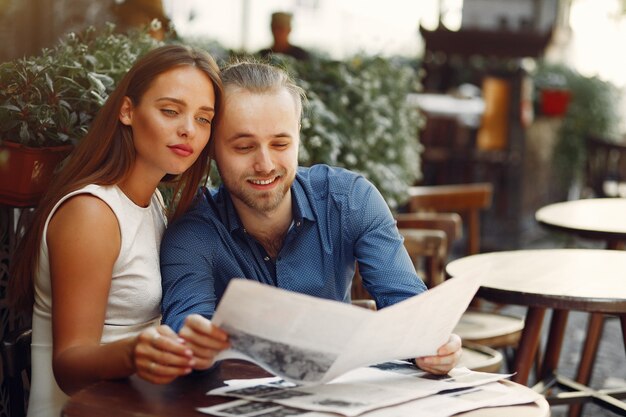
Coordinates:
x,y
577,393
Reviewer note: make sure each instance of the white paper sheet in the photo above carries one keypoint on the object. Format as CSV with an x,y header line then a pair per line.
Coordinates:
x,y
310,340
358,391
439,405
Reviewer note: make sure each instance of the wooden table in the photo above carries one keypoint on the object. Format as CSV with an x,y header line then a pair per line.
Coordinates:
x,y
596,218
560,279
134,397
601,219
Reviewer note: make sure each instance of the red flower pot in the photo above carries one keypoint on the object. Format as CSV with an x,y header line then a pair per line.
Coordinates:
x,y
554,102
26,172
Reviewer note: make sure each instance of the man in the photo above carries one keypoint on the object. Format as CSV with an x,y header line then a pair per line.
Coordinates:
x,y
281,28
300,229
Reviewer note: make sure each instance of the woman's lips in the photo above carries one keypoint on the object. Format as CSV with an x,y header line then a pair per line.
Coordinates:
x,y
181,150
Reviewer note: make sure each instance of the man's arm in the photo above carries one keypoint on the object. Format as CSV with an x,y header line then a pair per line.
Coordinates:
x,y
384,264
189,297
387,270
186,271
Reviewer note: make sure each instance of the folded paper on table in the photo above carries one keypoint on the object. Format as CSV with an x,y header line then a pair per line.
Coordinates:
x,y
360,390
439,405
309,340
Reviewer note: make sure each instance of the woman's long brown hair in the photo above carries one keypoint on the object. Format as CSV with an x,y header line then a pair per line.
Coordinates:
x,y
104,157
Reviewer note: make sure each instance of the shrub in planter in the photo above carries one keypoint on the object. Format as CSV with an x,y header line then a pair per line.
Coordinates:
x,y
49,100
358,118
593,108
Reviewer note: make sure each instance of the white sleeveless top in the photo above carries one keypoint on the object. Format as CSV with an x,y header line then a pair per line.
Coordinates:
x,y
134,298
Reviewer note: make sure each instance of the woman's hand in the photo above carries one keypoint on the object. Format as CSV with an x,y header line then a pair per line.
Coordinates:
x,y
447,357
161,356
205,340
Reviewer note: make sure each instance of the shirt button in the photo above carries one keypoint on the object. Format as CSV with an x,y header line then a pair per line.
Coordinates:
x,y
298,224
267,258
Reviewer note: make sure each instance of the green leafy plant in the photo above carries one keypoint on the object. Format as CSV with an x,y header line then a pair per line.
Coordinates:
x,y
51,99
358,118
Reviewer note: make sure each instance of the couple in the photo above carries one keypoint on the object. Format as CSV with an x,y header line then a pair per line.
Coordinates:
x,y
93,248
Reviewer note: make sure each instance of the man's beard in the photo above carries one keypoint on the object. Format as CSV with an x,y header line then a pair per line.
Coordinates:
x,y
262,201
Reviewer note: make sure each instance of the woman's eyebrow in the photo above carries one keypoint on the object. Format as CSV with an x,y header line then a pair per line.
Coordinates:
x,y
183,103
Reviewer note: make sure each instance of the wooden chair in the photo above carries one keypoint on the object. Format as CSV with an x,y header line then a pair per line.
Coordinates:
x,y
492,330
465,199
450,223
16,365
426,248
480,358
484,328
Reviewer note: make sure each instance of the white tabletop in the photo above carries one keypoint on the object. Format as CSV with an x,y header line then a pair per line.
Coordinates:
x,y
554,275
467,110
602,215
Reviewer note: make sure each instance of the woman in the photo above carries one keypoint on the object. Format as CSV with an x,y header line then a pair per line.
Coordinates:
x,y
89,262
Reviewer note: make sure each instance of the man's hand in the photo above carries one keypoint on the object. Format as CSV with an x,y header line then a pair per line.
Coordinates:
x,y
205,340
447,357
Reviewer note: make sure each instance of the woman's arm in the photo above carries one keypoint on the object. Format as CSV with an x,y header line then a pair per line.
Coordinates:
x,y
84,242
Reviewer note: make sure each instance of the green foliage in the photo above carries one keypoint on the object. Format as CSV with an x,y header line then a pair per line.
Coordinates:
x,y
357,117
593,109
51,98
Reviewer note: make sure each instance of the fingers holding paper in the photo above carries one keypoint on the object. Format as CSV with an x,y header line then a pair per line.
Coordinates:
x,y
447,357
160,355
205,339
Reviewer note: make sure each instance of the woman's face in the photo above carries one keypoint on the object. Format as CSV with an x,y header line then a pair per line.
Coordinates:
x,y
172,122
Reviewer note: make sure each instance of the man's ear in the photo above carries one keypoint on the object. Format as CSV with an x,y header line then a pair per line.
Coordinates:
x,y
126,111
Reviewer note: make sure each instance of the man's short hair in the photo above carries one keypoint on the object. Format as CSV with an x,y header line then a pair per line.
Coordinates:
x,y
259,77
281,19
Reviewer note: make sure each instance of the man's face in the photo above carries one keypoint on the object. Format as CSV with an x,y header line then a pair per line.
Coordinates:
x,y
281,32
256,148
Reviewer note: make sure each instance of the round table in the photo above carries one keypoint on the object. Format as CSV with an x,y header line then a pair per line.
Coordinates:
x,y
599,219
560,279
596,218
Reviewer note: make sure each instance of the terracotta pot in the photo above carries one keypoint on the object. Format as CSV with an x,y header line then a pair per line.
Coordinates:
x,y
26,172
555,102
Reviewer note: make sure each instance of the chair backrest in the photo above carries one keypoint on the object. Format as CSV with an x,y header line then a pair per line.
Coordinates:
x,y
450,223
605,168
428,250
465,199
15,353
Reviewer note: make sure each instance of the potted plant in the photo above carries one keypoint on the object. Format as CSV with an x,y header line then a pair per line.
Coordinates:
x,y
553,93
48,101
592,109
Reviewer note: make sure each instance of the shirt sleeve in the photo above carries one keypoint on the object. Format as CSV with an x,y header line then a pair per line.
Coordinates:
x,y
385,266
186,272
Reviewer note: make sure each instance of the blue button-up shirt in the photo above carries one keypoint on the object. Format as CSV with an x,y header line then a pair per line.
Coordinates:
x,y
338,218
